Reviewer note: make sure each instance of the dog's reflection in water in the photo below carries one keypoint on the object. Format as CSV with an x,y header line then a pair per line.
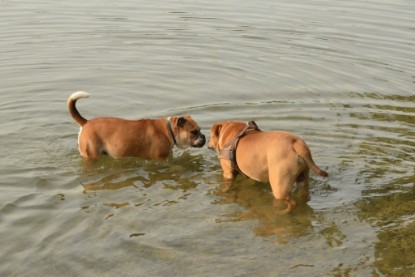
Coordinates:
x,y
258,203
109,174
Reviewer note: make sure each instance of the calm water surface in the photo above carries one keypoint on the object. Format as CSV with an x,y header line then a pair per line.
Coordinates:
x,y
340,74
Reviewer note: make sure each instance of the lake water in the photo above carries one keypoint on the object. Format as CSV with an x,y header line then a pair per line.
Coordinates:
x,y
340,74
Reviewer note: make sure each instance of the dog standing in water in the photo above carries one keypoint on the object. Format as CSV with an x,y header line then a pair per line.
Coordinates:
x,y
279,157
146,138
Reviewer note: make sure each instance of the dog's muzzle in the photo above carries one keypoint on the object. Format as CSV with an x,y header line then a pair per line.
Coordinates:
x,y
200,141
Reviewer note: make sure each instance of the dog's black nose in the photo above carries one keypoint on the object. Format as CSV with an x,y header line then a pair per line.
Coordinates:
x,y
201,140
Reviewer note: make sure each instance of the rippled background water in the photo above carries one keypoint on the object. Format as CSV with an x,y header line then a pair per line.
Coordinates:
x,y
338,73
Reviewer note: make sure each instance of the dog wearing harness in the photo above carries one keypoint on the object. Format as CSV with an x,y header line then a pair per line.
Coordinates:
x,y
229,150
278,157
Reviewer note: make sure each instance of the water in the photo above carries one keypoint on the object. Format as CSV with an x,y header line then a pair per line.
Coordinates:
x,y
339,74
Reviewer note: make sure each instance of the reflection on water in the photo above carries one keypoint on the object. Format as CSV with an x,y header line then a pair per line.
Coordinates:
x,y
389,195
259,205
117,172
390,209
178,174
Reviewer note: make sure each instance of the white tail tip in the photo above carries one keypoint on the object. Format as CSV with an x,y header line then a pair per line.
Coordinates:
x,y
79,94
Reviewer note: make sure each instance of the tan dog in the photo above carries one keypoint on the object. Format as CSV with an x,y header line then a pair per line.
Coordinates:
x,y
276,156
147,138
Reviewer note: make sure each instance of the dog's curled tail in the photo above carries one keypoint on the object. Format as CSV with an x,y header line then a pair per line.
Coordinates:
x,y
72,107
302,149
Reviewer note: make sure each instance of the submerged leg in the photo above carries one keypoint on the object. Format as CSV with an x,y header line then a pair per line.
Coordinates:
x,y
282,181
303,186
228,175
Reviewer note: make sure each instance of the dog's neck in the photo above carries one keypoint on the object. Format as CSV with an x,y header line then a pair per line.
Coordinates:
x,y
171,130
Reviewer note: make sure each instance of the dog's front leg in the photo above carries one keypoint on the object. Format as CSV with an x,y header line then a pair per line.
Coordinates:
x,y
228,175
227,184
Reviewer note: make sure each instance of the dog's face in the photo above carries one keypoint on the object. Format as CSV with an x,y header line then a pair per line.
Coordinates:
x,y
187,132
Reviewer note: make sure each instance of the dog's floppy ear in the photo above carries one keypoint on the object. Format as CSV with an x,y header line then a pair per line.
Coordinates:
x,y
181,121
216,129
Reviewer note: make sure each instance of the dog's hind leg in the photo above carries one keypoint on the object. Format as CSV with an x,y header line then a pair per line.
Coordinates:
x,y
281,184
302,185
88,149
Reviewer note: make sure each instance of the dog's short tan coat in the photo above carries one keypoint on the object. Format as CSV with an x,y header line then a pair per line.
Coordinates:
x,y
147,138
275,156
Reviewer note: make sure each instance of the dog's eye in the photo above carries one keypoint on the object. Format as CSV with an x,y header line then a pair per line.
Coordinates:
x,y
195,132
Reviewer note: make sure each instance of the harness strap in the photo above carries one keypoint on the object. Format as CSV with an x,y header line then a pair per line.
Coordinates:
x,y
229,150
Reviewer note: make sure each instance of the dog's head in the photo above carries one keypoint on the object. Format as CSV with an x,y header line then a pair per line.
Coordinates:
x,y
223,132
186,132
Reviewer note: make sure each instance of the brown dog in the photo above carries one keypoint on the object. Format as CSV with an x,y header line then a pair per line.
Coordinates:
x,y
147,138
276,156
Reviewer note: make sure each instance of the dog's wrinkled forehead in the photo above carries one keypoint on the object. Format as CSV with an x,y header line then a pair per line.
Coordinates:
x,y
186,122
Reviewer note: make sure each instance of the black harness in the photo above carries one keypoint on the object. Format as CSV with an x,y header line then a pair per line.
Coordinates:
x,y
229,150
